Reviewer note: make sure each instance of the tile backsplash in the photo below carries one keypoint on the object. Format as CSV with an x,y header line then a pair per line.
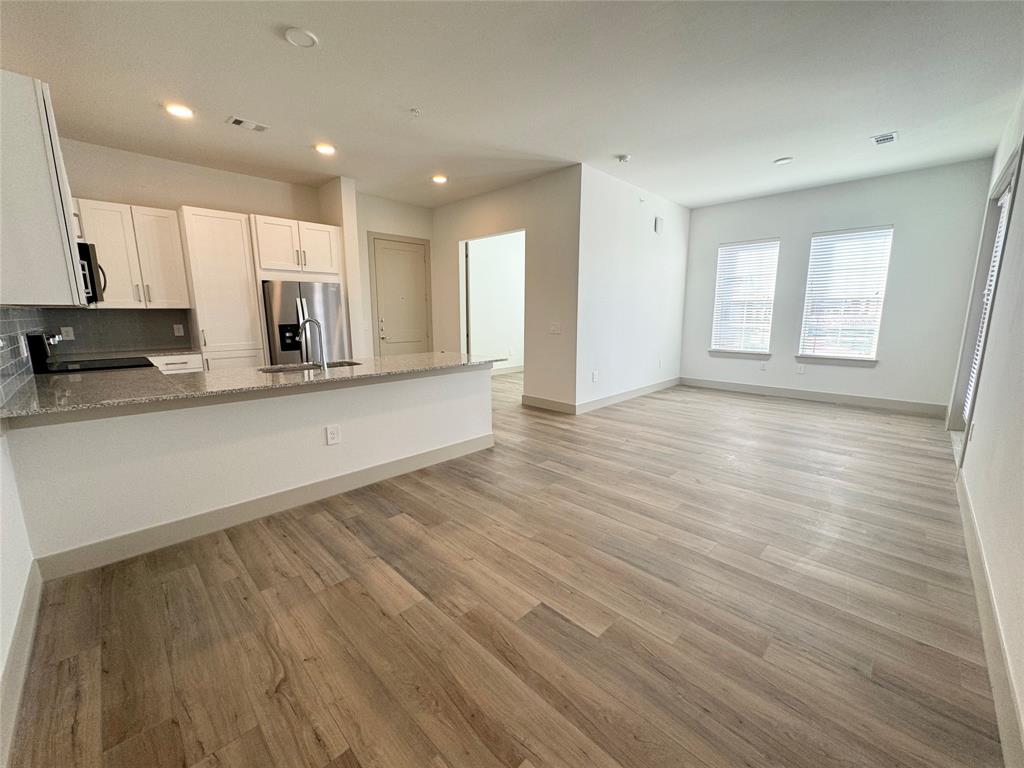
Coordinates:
x,y
15,366
96,331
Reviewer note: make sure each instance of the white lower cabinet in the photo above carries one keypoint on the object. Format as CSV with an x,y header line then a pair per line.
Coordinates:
x,y
242,358
186,363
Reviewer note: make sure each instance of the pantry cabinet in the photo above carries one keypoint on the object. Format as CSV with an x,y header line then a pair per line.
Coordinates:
x,y
286,245
226,308
142,264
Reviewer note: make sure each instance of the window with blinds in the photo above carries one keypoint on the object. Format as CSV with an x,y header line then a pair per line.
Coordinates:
x,y
744,295
845,292
986,301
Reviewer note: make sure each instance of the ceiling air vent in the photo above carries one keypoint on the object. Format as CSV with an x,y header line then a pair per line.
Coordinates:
x,y
885,138
249,125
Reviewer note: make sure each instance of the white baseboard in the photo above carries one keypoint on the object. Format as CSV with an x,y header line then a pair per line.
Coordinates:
x,y
108,551
1005,697
592,405
935,410
548,405
19,652
601,402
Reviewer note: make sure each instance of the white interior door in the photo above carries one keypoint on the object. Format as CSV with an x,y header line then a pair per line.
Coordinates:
x,y
161,259
223,281
321,247
402,286
278,241
109,227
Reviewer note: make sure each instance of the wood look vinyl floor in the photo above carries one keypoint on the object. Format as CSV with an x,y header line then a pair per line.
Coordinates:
x,y
689,578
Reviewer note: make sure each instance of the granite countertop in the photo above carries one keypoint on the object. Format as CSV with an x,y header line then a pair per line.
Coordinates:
x,y
64,392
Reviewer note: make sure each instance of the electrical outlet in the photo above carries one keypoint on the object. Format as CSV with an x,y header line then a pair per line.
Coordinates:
x,y
67,332
333,434
801,368
179,329
659,363
593,376
764,365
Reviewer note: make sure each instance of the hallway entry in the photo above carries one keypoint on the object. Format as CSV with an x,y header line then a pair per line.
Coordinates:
x,y
495,297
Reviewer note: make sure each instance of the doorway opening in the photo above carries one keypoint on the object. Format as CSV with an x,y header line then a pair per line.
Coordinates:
x,y
400,294
495,291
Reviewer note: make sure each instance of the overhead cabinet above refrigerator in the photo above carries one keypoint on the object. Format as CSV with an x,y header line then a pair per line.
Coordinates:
x,y
286,245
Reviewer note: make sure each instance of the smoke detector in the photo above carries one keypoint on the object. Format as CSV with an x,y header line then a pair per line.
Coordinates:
x,y
885,138
623,158
249,125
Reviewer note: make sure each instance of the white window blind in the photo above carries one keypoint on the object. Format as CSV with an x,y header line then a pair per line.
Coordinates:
x,y
744,295
986,300
845,291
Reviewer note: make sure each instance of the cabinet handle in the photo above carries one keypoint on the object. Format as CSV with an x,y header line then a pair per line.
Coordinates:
x,y
206,364
203,332
179,362
135,292
149,296
298,258
304,262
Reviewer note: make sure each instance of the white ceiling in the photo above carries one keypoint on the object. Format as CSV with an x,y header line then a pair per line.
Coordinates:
x,y
703,95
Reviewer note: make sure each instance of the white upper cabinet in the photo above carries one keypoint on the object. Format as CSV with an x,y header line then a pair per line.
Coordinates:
x,y
277,241
161,258
321,247
220,261
139,252
285,245
109,227
38,255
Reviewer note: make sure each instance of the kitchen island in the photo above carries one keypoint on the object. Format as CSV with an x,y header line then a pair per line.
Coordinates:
x,y
110,464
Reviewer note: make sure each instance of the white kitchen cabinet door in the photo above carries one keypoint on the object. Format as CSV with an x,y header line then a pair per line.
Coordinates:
x,y
109,227
224,297
161,259
242,358
277,242
321,247
39,264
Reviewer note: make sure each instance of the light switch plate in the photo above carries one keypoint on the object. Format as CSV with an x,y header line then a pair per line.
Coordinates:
x,y
555,328
68,332
179,329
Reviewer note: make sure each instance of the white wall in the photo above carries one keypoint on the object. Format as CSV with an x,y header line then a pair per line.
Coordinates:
x,y
229,453
15,570
547,207
937,215
102,173
993,470
631,283
497,294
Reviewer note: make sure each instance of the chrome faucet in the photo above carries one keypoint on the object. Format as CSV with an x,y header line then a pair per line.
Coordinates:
x,y
320,335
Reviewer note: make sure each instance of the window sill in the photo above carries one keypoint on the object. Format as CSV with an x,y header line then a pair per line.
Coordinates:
x,y
864,362
739,353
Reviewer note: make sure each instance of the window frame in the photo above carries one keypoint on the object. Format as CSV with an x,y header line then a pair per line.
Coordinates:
x,y
846,359
725,351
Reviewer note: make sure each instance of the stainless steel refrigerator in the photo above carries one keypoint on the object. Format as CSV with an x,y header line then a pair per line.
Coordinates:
x,y
288,303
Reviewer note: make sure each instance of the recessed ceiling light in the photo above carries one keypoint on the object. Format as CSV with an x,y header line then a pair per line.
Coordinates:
x,y
179,110
782,160
301,38
325,149
440,178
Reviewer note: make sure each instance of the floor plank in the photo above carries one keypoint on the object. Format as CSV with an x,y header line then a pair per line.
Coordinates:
x,y
690,578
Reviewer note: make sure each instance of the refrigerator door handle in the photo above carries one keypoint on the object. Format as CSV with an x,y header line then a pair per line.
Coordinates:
x,y
300,307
